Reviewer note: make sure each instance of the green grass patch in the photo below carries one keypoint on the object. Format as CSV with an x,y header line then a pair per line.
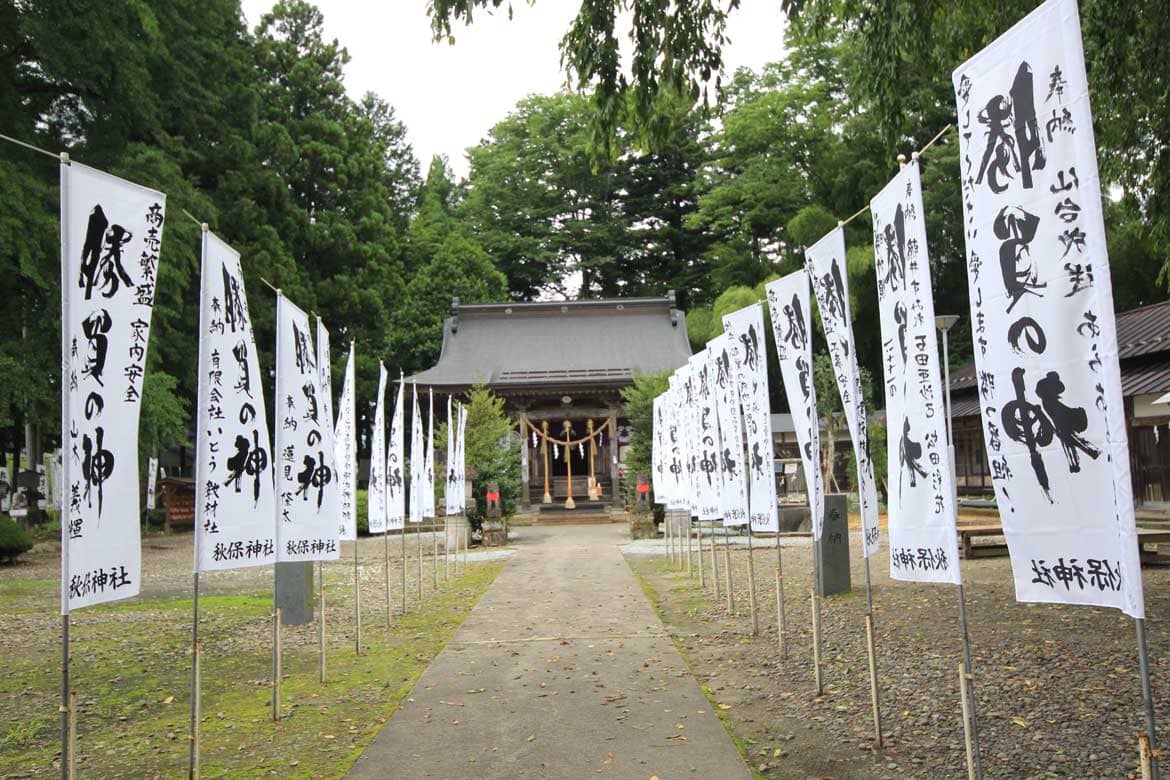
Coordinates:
x,y
132,670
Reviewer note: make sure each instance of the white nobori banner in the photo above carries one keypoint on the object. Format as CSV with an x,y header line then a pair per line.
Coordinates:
x,y
325,375
680,496
658,459
418,461
749,364
789,305
830,282
345,454
376,483
733,495
461,463
451,504
306,492
705,437
429,471
235,513
111,234
921,488
1042,316
396,466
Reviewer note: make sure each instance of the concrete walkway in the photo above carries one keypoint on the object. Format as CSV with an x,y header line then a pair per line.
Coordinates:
x,y
561,671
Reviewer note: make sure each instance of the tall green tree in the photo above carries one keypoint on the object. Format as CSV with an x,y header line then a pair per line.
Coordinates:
x,y
446,261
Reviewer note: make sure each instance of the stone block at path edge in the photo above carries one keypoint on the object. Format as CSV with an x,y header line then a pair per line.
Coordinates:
x,y
834,546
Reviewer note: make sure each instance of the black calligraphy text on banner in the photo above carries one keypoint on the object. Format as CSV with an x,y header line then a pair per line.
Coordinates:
x,y
396,466
733,467
830,283
680,497
449,501
376,504
234,501
418,462
789,305
111,235
657,463
306,491
745,329
1042,315
345,454
921,506
705,438
429,472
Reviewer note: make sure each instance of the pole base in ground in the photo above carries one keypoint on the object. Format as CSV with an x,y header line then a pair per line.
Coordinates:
x,y
276,671
965,708
816,632
873,682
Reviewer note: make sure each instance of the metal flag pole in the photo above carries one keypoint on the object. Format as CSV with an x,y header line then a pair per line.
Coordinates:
x,y
715,566
752,584
66,708
193,757
944,323
386,555
276,664
818,678
357,598
434,555
446,546
781,626
702,573
418,539
730,581
690,548
402,536
871,646
321,620
1149,745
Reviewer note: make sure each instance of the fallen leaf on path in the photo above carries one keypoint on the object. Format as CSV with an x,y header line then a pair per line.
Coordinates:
x,y
1020,722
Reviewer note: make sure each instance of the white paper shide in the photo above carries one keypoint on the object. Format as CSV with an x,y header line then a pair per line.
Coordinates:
x,y
234,499
921,489
1042,316
111,234
306,491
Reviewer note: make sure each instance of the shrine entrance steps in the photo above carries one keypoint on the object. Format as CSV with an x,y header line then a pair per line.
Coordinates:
x,y
585,513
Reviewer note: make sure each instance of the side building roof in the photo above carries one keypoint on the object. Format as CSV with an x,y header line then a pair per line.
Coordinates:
x,y
549,345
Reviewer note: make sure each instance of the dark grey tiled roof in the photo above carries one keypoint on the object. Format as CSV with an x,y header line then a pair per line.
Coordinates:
x,y
511,346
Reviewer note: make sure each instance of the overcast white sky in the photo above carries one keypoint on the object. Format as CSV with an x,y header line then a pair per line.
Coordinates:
x,y
450,96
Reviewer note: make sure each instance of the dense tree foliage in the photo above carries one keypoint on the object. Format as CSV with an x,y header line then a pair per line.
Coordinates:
x,y
254,132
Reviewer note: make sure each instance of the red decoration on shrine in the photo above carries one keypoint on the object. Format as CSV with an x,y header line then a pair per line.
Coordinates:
x,y
493,496
643,487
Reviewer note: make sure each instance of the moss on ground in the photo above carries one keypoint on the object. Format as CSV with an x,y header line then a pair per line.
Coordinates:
x,y
132,668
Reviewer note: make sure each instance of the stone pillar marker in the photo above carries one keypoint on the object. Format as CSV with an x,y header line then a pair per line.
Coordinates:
x,y
833,548
294,592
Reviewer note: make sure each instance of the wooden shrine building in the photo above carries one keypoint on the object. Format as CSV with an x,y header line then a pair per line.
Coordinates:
x,y
560,367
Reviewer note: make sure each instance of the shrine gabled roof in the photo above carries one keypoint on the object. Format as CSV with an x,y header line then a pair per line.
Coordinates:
x,y
514,346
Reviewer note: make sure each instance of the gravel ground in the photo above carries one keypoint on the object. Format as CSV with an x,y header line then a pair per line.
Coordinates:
x,y
1057,688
